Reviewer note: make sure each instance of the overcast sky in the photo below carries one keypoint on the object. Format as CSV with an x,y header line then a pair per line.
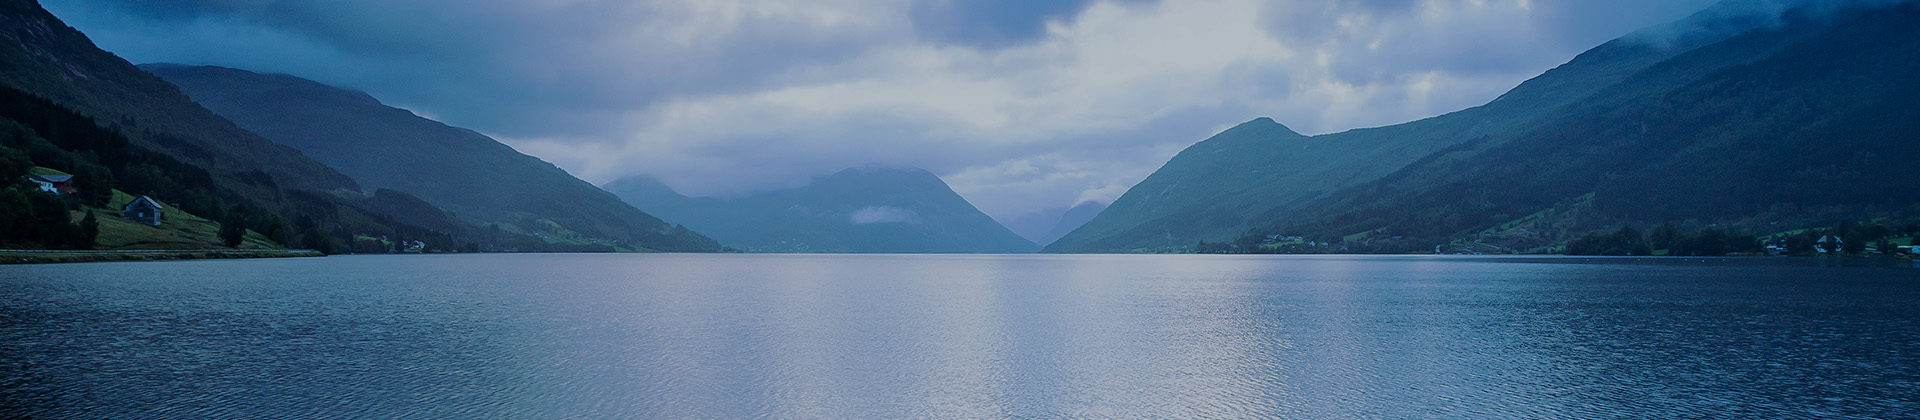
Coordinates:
x,y
1020,105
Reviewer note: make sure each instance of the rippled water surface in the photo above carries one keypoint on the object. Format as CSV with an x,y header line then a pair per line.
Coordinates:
x,y
824,336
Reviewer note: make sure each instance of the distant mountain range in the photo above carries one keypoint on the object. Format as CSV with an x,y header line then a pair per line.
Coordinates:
x,y
1725,119
462,171
1045,226
863,210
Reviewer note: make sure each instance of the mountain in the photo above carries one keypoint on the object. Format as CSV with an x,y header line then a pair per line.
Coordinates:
x,y
42,56
1258,172
1072,219
462,171
107,171
862,210
1787,126
1034,226
67,106
1045,226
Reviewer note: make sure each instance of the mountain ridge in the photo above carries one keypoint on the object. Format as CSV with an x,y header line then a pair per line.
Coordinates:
x,y
1796,132
54,61
463,171
1230,197
868,210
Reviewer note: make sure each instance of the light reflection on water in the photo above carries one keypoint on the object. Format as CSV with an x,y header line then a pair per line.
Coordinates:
x,y
839,336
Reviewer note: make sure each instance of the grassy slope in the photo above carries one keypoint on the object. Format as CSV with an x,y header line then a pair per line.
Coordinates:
x,y
177,230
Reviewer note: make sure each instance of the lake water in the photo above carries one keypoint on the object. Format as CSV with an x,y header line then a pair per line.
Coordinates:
x,y
842,336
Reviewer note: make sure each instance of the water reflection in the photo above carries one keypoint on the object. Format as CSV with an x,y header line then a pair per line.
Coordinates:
x,y
833,336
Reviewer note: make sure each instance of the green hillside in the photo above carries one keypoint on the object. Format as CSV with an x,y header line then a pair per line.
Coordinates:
x,y
177,230
67,105
473,176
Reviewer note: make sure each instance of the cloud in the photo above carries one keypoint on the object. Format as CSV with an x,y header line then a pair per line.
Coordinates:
x,y
871,215
1019,105
1730,17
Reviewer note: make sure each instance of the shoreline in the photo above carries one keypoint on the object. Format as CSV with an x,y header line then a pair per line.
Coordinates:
x,y
22,256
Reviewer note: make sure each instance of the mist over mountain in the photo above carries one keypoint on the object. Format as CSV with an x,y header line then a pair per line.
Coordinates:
x,y
465,172
861,210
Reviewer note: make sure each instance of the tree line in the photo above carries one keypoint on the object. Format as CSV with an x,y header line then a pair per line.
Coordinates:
x,y
1854,238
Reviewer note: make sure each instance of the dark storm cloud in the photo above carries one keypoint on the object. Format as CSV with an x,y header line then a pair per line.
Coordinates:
x,y
1021,105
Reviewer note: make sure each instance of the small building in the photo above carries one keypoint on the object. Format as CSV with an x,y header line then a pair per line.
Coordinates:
x,y
143,210
1777,246
1828,243
57,184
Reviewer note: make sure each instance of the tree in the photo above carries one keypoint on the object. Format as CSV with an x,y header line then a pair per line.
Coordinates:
x,y
232,233
1708,243
275,229
1802,243
95,185
1664,236
1626,241
233,227
1885,246
1854,244
89,230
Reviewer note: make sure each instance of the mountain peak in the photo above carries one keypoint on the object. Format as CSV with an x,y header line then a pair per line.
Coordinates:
x,y
882,170
870,208
878,175
1263,126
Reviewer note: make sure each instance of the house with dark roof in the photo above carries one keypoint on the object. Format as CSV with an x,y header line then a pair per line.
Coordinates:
x,y
1829,243
143,210
57,184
